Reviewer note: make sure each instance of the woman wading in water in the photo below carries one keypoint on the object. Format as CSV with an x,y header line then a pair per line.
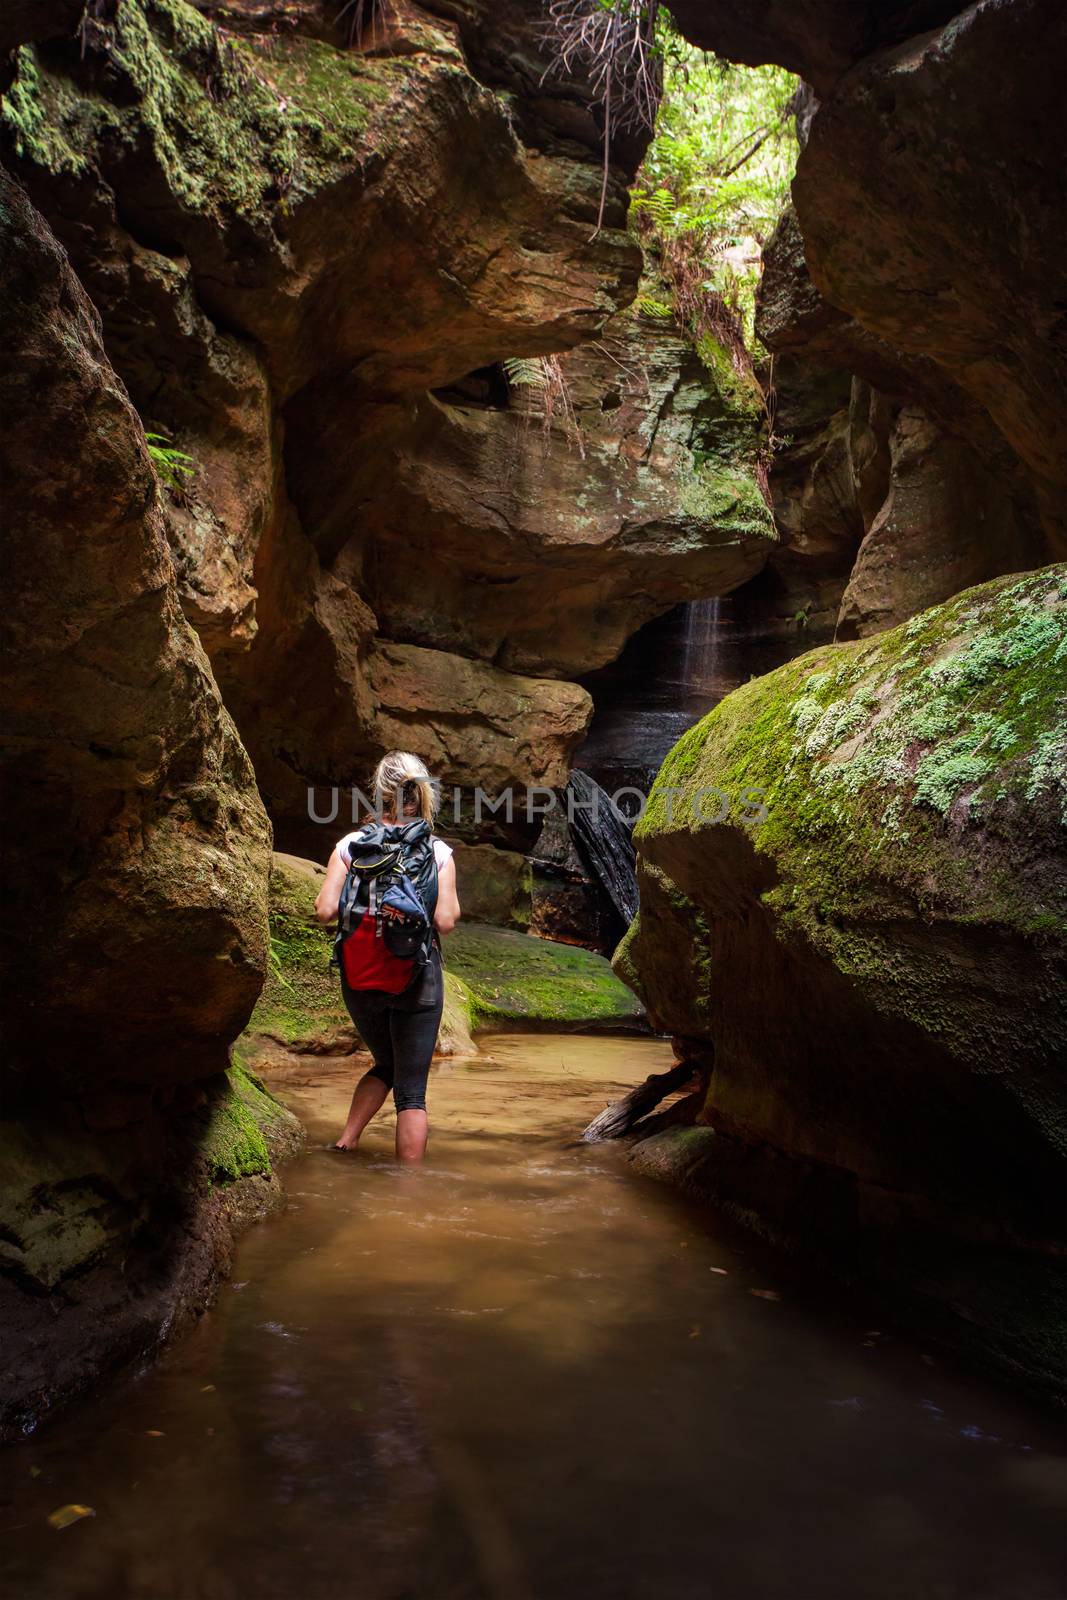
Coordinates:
x,y
399,1019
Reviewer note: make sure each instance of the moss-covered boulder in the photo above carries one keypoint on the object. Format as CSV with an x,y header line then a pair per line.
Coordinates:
x,y
495,885
300,1006
518,980
859,862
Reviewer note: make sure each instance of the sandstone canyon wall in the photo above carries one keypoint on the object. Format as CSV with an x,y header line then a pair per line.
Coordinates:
x,y
893,1100
317,263
311,255
304,259
136,848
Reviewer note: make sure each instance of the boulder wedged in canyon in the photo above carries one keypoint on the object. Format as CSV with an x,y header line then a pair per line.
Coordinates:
x,y
340,699
134,923
819,40
879,957
541,543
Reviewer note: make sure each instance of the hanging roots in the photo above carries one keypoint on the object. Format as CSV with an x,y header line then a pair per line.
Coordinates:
x,y
548,392
613,48
362,14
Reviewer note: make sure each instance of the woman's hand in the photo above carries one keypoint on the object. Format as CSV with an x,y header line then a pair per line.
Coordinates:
x,y
447,914
329,896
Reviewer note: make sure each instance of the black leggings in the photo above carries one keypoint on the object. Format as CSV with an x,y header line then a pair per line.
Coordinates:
x,y
401,1040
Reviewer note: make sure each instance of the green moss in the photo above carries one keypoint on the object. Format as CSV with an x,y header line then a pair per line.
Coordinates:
x,y
740,388
46,119
301,998
872,757
233,127
233,1144
729,497
513,977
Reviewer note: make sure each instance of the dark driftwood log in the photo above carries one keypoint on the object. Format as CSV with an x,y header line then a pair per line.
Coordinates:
x,y
682,1114
618,1118
604,840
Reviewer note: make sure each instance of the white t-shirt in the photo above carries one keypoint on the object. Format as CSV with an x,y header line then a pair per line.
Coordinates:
x,y
442,852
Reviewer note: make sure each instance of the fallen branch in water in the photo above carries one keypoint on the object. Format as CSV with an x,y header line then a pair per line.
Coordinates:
x,y
682,1114
618,1118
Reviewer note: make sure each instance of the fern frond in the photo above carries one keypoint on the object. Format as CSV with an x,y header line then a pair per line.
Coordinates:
x,y
173,466
526,372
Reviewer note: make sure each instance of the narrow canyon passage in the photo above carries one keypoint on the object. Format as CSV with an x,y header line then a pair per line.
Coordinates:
x,y
520,1372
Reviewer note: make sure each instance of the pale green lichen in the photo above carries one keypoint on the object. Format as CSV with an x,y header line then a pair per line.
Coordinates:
x,y
1048,770
881,751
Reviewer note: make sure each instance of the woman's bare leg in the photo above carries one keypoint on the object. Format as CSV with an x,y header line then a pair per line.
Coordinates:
x,y
412,1131
370,1092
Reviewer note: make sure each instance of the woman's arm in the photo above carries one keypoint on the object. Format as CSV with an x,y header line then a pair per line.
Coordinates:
x,y
447,914
329,897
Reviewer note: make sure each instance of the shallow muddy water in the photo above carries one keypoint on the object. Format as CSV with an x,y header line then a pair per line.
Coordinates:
x,y
521,1371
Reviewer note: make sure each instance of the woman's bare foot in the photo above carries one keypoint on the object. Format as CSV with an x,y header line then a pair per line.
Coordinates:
x,y
370,1092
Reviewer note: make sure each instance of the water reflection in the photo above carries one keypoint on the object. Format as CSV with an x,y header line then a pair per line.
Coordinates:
x,y
521,1372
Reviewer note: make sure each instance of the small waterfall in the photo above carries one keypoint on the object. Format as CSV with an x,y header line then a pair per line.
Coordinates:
x,y
604,842
700,654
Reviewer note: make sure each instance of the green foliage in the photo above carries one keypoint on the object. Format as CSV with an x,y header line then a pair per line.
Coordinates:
x,y
717,173
173,467
548,394
236,128
730,498
526,372
650,305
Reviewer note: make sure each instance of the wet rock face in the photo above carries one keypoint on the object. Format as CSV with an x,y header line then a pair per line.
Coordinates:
x,y
543,545
938,154
880,959
292,236
150,842
946,524
274,217
892,488
134,923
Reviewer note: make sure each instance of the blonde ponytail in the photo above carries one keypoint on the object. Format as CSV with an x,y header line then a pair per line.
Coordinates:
x,y
399,779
